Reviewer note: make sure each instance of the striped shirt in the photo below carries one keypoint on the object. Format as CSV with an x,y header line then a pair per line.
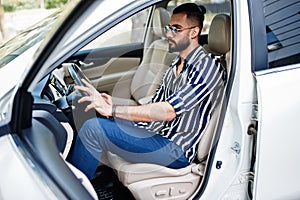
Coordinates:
x,y
193,94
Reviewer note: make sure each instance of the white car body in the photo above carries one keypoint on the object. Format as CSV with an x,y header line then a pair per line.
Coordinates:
x,y
259,119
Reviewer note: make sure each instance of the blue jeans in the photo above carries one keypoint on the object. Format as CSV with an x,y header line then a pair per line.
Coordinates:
x,y
121,137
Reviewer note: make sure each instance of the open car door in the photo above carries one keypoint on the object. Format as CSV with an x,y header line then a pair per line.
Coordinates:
x,y
278,113
277,174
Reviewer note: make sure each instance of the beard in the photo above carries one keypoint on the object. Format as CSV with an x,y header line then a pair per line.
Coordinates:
x,y
178,46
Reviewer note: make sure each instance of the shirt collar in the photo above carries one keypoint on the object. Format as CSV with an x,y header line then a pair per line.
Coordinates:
x,y
189,59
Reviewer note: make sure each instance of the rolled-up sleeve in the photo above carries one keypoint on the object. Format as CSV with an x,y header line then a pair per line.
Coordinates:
x,y
187,97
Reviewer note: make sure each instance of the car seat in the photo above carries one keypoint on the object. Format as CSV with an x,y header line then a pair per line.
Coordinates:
x,y
155,62
151,181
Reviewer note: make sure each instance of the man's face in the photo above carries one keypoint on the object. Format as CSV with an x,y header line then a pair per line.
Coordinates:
x,y
181,40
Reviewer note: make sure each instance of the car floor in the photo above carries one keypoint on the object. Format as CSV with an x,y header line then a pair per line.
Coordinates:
x,y
108,186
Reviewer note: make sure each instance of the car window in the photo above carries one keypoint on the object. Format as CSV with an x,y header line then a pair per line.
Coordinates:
x,y
128,31
282,21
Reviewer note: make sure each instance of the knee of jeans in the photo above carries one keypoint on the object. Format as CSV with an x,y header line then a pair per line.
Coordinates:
x,y
89,130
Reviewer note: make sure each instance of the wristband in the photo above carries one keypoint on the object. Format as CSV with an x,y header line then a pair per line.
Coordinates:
x,y
113,112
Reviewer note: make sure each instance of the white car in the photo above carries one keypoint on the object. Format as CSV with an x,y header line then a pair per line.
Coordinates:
x,y
249,151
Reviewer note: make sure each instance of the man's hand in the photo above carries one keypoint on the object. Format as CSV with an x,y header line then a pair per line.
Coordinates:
x,y
102,103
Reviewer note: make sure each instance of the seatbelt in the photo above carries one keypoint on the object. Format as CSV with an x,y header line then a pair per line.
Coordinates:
x,y
199,169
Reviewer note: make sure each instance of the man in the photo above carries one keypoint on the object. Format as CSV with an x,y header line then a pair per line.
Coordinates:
x,y
166,131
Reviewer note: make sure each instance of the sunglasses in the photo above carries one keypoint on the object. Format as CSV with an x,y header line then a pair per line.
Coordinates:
x,y
176,30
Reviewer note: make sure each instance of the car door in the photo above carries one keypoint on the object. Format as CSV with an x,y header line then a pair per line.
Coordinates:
x,y
278,86
31,166
42,154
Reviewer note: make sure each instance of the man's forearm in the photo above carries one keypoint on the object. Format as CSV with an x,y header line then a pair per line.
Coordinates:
x,y
161,111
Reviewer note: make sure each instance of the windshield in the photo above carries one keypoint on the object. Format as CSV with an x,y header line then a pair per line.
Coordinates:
x,y
22,42
35,34
15,56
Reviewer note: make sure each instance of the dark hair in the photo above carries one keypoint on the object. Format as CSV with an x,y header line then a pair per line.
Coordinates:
x,y
194,12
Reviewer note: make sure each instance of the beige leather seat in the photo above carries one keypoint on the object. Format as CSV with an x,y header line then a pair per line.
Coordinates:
x,y
150,181
155,62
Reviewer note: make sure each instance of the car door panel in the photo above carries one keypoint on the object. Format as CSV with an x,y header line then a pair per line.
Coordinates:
x,y
100,56
41,142
109,74
107,66
17,165
278,134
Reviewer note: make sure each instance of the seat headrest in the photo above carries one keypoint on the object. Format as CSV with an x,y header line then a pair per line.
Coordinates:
x,y
160,19
219,35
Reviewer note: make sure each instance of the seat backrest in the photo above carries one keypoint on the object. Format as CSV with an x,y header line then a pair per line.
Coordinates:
x,y
155,61
219,39
219,35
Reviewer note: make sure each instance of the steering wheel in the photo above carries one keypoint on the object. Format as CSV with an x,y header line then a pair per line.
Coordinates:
x,y
77,74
